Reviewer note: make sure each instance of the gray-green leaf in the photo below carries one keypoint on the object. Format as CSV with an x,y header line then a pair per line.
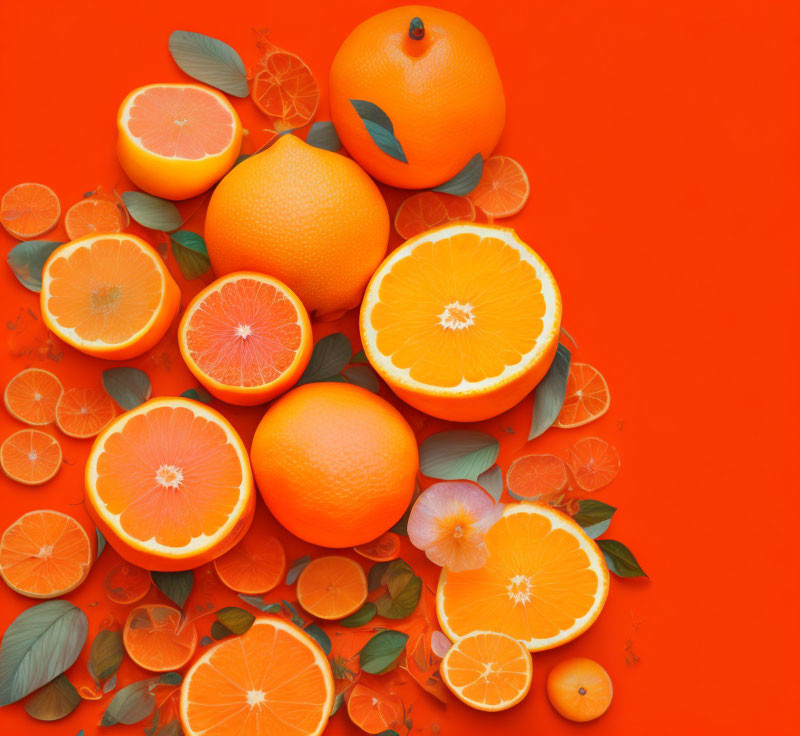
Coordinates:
x,y
380,128
331,355
27,261
258,602
382,650
548,396
319,636
404,602
235,619
152,212
175,585
191,254
457,454
323,135
361,617
492,482
465,180
209,60
131,704
128,386
101,542
376,574
57,699
198,394
106,655
594,516
620,559
296,568
364,376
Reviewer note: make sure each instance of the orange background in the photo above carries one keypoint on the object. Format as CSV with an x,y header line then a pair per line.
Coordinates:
x,y
661,140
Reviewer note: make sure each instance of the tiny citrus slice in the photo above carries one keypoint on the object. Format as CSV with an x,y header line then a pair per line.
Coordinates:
x,y
503,189
32,395
29,210
246,337
109,295
531,476
332,587
45,554
426,210
372,710
273,675
83,412
545,581
488,671
92,215
157,638
587,397
593,462
126,583
169,484
579,689
386,547
30,456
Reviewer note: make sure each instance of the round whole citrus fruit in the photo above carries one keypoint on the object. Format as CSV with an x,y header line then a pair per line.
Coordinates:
x,y
433,76
579,689
335,463
309,217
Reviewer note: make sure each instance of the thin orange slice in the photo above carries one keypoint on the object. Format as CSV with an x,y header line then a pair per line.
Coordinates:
x,y
169,484
426,210
32,395
30,456
593,462
587,397
372,710
246,338
386,547
332,587
488,671
91,216
158,639
29,210
462,321
127,583
274,679
503,189
83,412
108,295
545,581
531,476
45,554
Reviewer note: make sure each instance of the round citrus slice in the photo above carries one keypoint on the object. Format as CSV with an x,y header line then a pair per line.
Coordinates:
x,y
29,210
31,396
169,484
487,670
462,321
374,711
108,295
127,583
426,210
285,90
274,679
386,547
593,462
545,581
176,140
587,397
83,412
30,456
91,216
246,338
45,554
332,587
503,189
158,639
531,476
579,689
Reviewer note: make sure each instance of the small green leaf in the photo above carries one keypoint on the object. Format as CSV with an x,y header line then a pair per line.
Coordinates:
x,y
198,394
370,111
403,602
57,699
548,396
319,636
361,617
101,542
191,254
380,129
106,655
457,454
359,357
331,355
190,240
27,261
492,482
594,516
131,704
171,678
205,641
209,60
465,180
152,212
337,702
128,386
401,527
382,650
220,631
323,135
364,376
620,559
296,568
175,585
258,602
376,574
235,619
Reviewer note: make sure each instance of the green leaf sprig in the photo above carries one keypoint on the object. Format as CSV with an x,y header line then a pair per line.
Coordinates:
x,y
190,253
548,396
323,135
380,129
382,651
465,180
27,261
175,585
209,60
458,454
128,386
152,212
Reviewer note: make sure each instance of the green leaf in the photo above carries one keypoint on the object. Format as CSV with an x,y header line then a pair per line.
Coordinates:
x,y
152,212
331,355
376,574
319,636
389,732
337,702
209,60
359,357
548,396
258,602
205,641
175,585
457,454
620,559
101,542
401,527
382,650
397,576
57,699
40,644
220,631
296,568
364,376
404,602
173,728
380,128
191,254
171,678
361,617
235,619
465,180
128,386
492,482
198,394
323,135
106,655
27,261
131,704
594,516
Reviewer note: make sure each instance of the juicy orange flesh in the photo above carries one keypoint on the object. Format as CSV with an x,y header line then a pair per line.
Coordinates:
x,y
31,455
331,587
535,584
84,411
371,710
531,475
106,292
127,583
171,475
44,553
254,565
502,186
180,122
155,638
587,394
462,308
29,209
264,682
594,463
93,216
245,334
285,89
33,395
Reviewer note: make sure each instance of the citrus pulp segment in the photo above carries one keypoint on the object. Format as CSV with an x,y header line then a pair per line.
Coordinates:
x,y
332,587
587,397
29,210
31,396
83,412
30,456
158,638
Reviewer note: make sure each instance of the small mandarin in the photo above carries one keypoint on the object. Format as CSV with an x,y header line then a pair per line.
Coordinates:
x,y
579,689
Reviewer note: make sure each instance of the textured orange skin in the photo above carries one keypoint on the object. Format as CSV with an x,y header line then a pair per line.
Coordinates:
x,y
311,218
569,675
442,93
335,463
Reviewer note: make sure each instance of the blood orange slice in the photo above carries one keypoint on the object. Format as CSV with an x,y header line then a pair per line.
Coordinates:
x,y
531,476
332,587
30,456
83,412
158,639
593,462
32,395
29,210
503,189
587,397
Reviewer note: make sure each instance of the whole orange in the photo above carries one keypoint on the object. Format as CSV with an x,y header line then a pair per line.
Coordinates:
x,y
579,689
309,217
335,463
433,74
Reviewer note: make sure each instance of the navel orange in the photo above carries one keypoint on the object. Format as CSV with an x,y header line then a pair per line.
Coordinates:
x,y
332,587
30,456
29,210
579,689
158,638
32,395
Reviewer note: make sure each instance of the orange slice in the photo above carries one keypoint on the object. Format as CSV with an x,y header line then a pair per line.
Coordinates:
x,y
545,581
373,711
30,456
169,484
246,338
31,396
83,412
127,583
158,639
176,140
109,295
274,679
587,397
488,671
503,189
29,210
530,476
332,587
593,462
386,547
462,321
91,216
45,554
285,90
427,210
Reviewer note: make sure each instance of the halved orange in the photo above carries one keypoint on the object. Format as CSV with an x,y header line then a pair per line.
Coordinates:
x,y
386,547
503,189
30,456
169,484
530,476
126,583
29,210
488,671
545,581
45,554
176,140
587,397
332,587
158,638
426,210
274,679
246,337
593,462
462,321
83,412
91,216
32,395
108,295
